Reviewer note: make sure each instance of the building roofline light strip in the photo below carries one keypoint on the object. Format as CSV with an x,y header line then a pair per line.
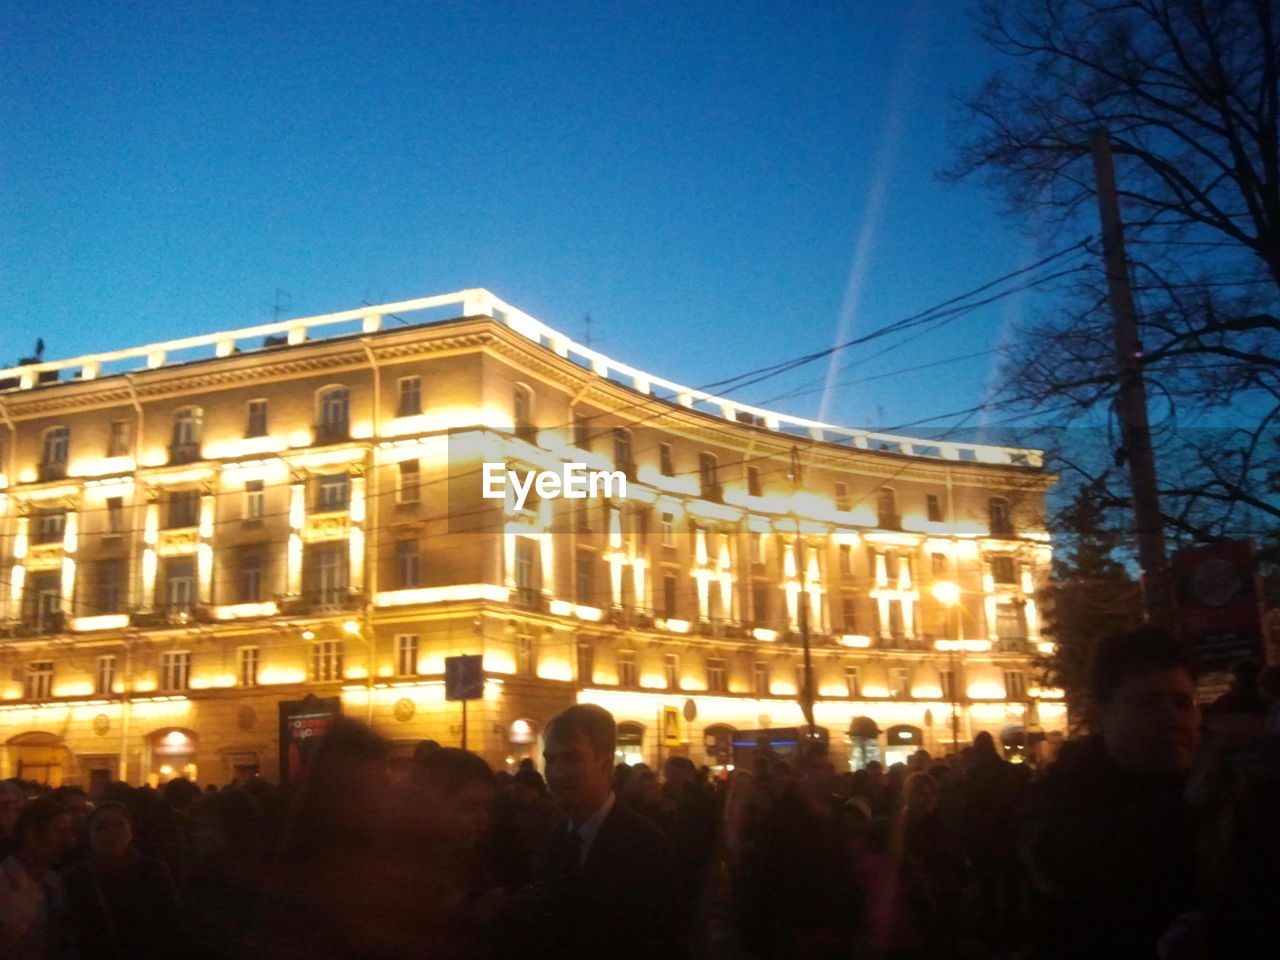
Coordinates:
x,y
480,302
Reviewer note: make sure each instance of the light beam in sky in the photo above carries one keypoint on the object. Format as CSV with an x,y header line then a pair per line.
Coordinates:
x,y
913,48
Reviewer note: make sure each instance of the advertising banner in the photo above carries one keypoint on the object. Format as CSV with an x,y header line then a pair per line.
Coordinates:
x,y
303,723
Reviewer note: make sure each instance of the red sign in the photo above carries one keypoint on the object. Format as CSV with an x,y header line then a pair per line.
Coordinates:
x,y
1219,601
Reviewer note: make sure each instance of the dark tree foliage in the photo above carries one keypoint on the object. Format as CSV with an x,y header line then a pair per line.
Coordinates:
x,y
1189,92
1091,593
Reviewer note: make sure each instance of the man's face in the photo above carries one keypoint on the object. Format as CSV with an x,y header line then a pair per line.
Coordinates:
x,y
110,834
577,776
55,841
1151,723
464,814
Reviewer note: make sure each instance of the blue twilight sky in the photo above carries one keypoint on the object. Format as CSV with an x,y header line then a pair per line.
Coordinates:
x,y
719,185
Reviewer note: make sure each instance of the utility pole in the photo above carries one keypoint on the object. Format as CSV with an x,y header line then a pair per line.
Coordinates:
x,y
1131,400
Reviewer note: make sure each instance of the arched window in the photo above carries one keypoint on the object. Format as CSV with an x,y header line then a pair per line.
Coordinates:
x,y
333,416
53,456
887,509
522,412
185,445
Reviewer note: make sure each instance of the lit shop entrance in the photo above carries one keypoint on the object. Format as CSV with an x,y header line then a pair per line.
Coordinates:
x,y
864,742
901,742
630,748
173,754
37,756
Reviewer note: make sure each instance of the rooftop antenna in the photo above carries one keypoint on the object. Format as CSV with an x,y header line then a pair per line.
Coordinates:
x,y
586,337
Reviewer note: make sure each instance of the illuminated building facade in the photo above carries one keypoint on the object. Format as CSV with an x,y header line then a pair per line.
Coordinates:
x,y
193,532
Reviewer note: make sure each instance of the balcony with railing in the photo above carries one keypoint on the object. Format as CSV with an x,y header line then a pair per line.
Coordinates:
x,y
713,492
321,601
37,624
51,470
529,598
324,433
185,451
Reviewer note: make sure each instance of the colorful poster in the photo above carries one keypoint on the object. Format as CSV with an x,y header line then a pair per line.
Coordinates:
x,y
303,723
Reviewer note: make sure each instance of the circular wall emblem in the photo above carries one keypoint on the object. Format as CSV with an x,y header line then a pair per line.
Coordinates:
x,y
404,709
247,719
101,724
1215,583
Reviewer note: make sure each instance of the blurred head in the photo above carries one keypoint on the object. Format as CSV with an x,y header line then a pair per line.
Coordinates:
x,y
679,771
919,761
643,788
578,758
1143,702
43,832
11,800
528,785
76,802
457,790
110,831
984,746
920,793
180,793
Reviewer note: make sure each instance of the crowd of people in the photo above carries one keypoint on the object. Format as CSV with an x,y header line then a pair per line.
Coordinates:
x,y
1154,835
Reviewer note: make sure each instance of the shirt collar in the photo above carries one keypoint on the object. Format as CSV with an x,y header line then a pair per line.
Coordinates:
x,y
591,826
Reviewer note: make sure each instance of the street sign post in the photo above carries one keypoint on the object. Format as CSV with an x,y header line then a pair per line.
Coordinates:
x,y
464,680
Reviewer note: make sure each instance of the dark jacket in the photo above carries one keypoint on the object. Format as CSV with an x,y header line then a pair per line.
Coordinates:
x,y
1111,855
622,903
128,913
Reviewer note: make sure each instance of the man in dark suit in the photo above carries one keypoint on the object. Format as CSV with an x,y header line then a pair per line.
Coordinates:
x,y
610,879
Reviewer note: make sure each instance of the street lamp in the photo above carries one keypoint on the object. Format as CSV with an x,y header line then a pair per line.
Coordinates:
x,y
948,594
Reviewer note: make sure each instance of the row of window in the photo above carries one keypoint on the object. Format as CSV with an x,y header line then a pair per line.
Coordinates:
x,y
326,581
332,422
716,674
327,573
326,665
174,668
887,515
332,419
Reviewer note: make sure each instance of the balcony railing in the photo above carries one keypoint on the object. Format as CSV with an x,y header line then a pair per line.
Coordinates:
x,y
51,470
39,624
184,452
325,433
529,598
527,432
171,614
329,600
713,492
